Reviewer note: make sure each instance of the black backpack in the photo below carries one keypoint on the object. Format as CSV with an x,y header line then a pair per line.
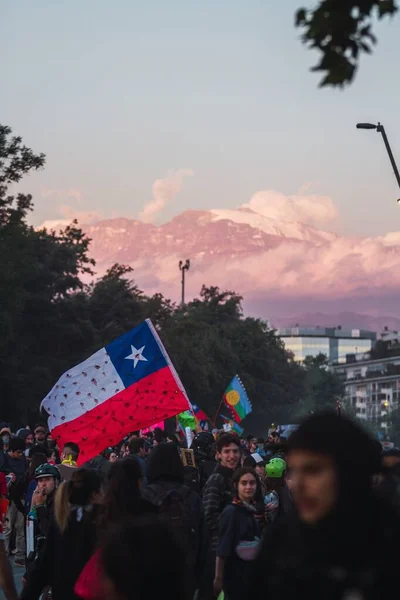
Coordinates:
x,y
175,511
192,479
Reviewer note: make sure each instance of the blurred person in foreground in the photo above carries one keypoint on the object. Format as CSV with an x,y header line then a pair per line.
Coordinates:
x,y
140,560
341,540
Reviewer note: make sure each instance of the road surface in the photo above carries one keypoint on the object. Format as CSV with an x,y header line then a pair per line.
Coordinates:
x,y
18,573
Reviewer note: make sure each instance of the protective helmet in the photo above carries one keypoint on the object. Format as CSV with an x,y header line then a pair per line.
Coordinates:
x,y
47,470
276,468
204,445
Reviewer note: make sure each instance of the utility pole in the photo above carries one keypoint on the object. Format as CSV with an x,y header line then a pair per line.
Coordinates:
x,y
183,267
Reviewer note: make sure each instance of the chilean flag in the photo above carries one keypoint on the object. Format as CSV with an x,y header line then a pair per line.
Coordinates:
x,y
129,385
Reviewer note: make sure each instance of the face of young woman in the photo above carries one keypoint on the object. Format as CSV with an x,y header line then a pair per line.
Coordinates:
x,y
247,487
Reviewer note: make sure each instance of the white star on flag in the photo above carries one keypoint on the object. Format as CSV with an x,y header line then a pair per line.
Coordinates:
x,y
136,356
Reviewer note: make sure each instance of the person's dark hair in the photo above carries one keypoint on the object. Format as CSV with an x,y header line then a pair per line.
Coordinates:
x,y
164,463
78,491
72,450
159,435
122,498
136,445
249,461
37,460
226,439
239,473
56,454
41,425
38,449
17,444
351,449
134,552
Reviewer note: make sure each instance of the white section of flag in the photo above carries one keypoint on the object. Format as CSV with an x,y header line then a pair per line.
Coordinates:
x,y
82,388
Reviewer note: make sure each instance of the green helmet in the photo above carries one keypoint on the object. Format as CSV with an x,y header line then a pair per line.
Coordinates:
x,y
276,468
47,470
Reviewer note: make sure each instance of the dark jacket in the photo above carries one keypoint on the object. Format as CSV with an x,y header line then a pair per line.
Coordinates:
x,y
217,494
237,524
63,558
329,560
17,489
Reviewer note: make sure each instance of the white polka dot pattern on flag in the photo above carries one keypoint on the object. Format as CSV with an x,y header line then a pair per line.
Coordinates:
x,y
82,388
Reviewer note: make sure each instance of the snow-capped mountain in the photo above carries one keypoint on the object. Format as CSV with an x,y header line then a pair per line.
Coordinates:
x,y
280,266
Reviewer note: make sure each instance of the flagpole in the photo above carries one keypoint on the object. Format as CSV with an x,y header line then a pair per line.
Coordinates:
x,y
217,413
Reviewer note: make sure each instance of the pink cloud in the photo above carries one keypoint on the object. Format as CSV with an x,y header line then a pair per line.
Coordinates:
x,y
164,191
318,211
61,193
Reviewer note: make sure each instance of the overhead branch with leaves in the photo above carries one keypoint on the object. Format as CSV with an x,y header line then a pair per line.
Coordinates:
x,y
341,30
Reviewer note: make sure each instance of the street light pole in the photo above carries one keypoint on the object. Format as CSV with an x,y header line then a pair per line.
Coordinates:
x,y
183,267
380,129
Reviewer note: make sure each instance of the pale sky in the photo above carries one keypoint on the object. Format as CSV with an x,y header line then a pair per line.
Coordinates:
x,y
119,94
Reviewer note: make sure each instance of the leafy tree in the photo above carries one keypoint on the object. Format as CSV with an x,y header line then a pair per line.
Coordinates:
x,y
340,30
39,273
321,387
210,341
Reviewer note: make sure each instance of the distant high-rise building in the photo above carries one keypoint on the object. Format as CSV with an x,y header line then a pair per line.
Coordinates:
x,y
336,343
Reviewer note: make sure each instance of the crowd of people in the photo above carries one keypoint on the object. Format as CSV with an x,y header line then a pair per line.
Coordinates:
x,y
315,516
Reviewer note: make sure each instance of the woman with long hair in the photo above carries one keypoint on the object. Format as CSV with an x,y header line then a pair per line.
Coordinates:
x,y
122,502
239,538
123,497
71,539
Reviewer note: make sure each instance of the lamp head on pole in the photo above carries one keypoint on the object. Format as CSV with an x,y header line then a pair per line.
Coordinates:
x,y
366,126
184,266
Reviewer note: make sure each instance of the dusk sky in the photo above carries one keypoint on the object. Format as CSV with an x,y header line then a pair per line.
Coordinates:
x,y
217,96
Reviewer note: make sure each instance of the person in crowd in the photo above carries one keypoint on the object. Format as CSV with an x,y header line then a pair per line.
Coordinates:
x,y
260,513
277,499
239,538
259,468
6,577
141,559
27,436
178,507
30,480
159,436
69,456
137,451
204,451
330,545
48,478
122,501
123,497
71,539
253,445
41,510
124,450
113,456
54,457
15,465
5,436
40,435
217,494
